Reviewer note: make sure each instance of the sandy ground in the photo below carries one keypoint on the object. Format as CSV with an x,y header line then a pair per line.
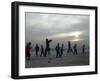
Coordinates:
x,y
52,61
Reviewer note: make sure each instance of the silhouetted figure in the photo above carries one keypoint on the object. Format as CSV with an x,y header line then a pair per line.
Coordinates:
x,y
75,49
57,50
37,49
69,47
42,51
47,50
27,50
61,50
83,48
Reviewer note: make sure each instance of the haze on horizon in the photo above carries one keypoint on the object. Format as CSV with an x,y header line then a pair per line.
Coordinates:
x,y
61,28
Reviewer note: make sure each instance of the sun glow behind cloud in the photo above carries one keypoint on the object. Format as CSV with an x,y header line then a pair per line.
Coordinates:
x,y
75,34
76,39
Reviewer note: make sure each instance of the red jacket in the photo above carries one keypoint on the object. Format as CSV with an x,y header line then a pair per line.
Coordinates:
x,y
28,48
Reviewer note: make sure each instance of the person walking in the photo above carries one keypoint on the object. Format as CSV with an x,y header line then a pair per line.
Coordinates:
x,y
42,51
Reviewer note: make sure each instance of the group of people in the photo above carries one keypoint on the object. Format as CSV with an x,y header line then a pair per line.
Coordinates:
x,y
59,49
44,52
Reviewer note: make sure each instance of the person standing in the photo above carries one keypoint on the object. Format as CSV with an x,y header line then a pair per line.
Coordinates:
x,y
47,50
75,49
83,48
37,49
69,47
27,50
57,50
61,50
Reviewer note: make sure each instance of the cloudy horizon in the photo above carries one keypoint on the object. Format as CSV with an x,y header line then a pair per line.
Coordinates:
x,y
58,27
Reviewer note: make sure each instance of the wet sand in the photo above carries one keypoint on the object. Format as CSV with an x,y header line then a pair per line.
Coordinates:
x,y
51,61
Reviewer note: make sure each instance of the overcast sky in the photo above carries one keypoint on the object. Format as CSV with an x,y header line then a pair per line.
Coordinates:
x,y
58,27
